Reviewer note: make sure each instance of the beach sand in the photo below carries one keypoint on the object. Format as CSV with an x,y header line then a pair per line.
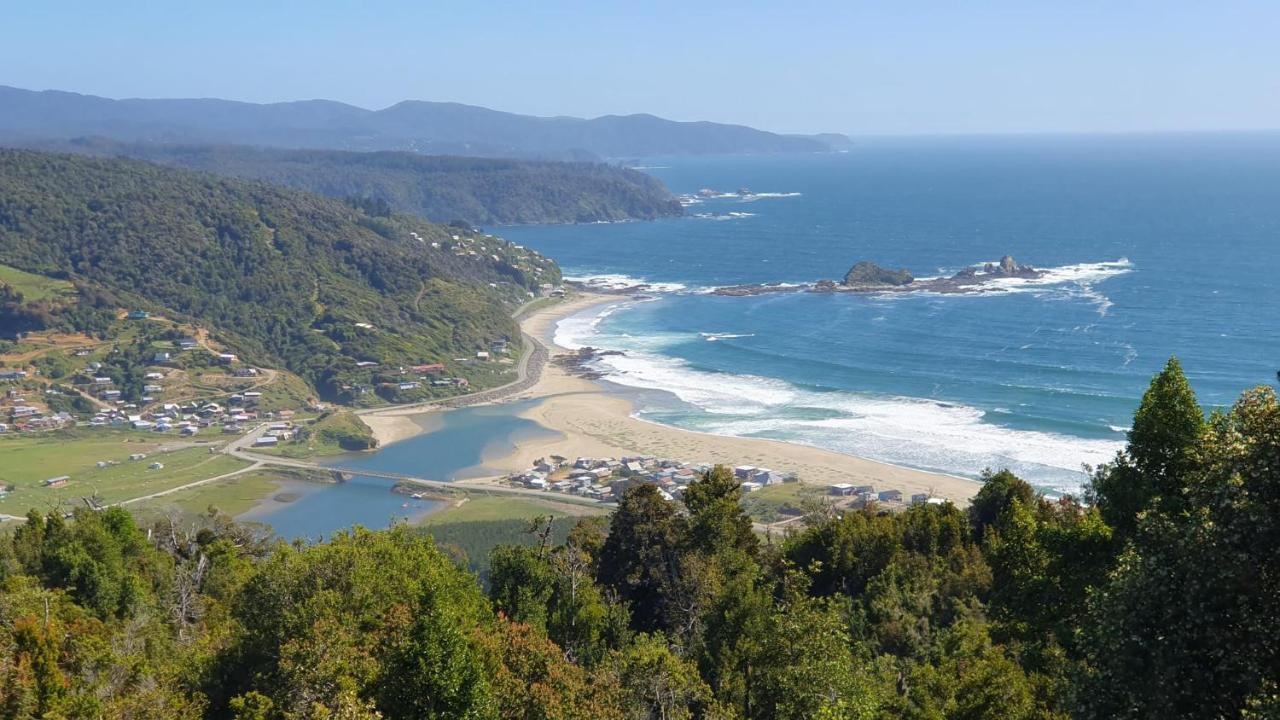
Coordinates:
x,y
595,423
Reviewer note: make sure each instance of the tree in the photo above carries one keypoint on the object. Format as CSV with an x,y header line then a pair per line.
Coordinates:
x,y
640,556
717,521
1185,627
657,684
999,491
1167,428
520,583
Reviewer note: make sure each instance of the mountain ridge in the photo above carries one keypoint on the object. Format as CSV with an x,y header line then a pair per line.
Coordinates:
x,y
411,125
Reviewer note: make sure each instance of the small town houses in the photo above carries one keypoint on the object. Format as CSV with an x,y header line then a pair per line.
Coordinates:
x,y
605,479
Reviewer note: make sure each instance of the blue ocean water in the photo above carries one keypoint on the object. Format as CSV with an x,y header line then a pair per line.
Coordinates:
x,y
1155,246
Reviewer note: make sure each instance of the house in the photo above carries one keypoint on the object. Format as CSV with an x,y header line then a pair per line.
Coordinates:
x,y
744,472
919,498
142,424
245,372
154,376
57,482
751,486
188,343
109,394
409,386
890,496
482,356
267,441
427,368
841,489
152,388
13,374
366,364
160,357
139,314
226,358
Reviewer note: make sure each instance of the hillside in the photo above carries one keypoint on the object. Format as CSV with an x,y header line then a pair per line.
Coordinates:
x,y
281,277
421,127
478,191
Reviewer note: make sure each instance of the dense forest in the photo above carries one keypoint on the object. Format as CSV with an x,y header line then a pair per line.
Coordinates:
x,y
443,189
284,278
1156,596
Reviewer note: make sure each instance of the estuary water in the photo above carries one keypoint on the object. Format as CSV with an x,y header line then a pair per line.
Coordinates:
x,y
457,445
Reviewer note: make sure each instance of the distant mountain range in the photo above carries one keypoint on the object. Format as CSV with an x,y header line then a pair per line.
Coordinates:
x,y
423,127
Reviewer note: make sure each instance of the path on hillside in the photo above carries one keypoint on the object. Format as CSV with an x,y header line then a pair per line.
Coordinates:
x,y
528,371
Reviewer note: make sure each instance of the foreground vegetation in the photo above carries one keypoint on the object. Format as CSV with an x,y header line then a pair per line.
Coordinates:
x,y
1158,599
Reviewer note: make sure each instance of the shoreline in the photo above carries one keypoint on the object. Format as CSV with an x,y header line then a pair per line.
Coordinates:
x,y
592,421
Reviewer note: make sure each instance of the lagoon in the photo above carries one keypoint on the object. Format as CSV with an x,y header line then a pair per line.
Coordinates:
x,y
456,446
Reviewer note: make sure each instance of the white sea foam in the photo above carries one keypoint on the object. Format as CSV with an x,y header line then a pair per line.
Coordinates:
x,y
618,281
723,216
712,337
910,431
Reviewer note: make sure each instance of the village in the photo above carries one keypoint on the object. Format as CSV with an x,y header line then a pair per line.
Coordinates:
x,y
606,479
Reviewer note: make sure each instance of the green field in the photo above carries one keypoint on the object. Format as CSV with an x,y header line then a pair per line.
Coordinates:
x,y
472,529
233,496
30,459
334,433
34,287
772,503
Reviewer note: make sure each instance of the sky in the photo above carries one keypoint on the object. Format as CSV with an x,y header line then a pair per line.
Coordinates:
x,y
864,68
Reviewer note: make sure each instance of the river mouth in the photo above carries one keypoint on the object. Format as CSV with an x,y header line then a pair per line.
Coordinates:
x,y
459,444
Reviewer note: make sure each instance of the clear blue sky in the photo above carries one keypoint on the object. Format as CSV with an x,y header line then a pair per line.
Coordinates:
x,y
895,66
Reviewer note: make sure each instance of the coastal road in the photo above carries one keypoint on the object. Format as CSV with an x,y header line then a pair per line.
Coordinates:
x,y
528,370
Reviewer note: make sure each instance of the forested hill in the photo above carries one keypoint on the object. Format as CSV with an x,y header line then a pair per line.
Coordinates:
x,y
436,128
287,278
479,191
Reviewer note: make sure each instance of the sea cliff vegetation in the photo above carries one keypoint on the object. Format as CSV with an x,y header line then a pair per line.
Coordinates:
x,y
327,289
1157,598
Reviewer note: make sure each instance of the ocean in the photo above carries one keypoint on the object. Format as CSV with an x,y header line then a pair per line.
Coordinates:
x,y
1154,246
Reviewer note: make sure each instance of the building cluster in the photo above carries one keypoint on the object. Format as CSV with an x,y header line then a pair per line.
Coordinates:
x,y
18,412
189,418
606,479
862,495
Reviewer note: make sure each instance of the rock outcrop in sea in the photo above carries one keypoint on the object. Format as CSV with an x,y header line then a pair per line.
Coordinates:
x,y
868,277
867,273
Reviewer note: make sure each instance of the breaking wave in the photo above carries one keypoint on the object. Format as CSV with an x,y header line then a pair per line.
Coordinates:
x,y
915,432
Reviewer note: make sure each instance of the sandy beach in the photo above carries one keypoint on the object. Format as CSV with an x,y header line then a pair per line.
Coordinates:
x,y
594,422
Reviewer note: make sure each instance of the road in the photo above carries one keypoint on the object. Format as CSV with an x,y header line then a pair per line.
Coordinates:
x,y
528,370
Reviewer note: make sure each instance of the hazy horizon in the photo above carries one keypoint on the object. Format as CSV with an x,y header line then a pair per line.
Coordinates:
x,y
994,68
